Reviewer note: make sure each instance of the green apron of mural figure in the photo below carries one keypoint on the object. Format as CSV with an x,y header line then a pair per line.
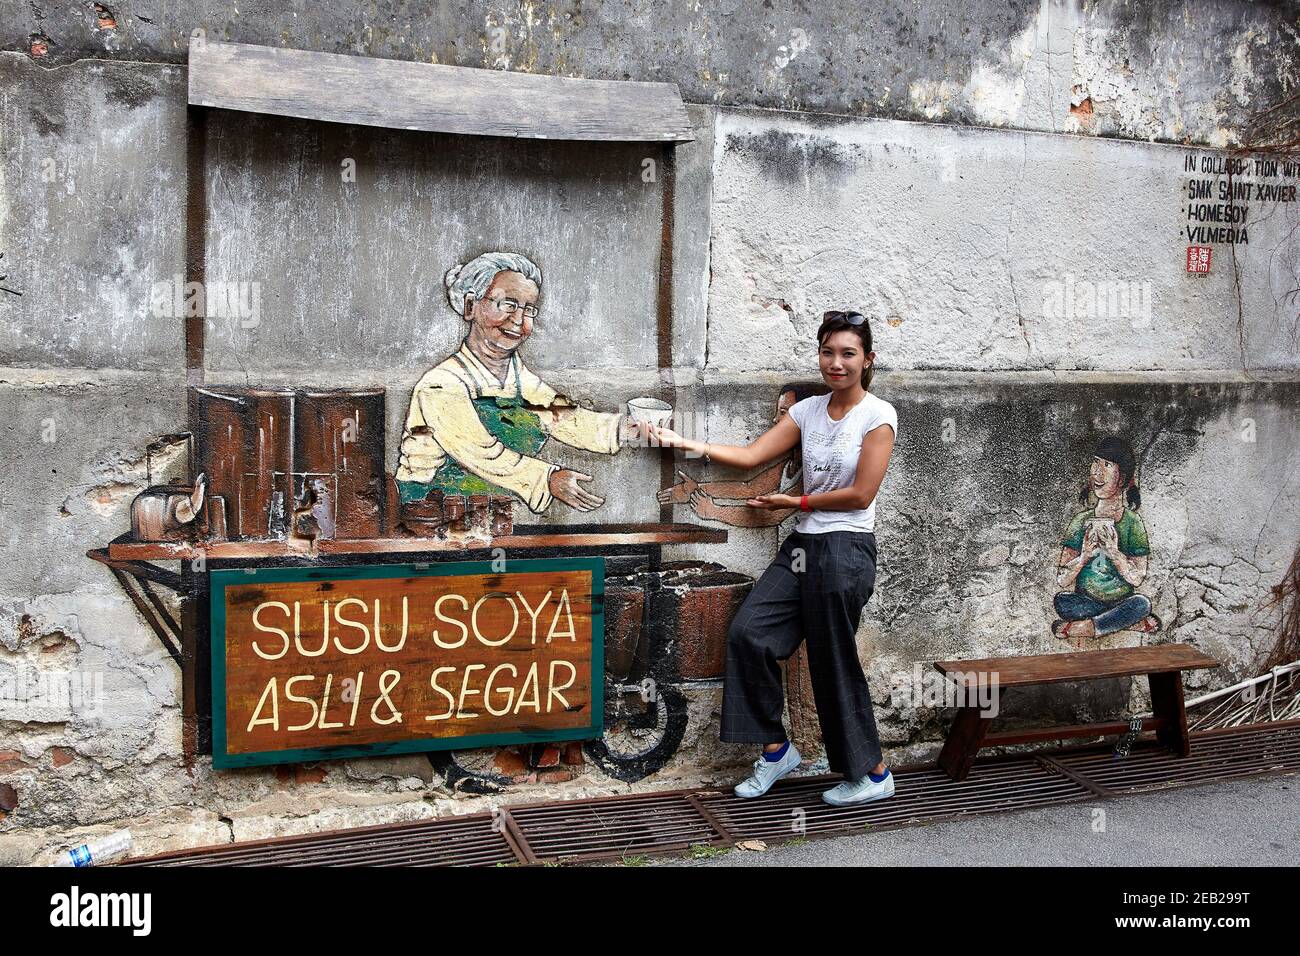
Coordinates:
x,y
507,419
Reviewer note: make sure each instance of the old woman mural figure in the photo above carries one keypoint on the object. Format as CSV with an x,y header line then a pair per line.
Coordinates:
x,y
478,420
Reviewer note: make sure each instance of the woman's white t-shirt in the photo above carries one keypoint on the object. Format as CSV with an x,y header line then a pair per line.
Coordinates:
x,y
830,457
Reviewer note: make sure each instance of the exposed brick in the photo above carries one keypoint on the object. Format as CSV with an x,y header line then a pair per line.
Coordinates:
x,y
509,763
62,756
298,773
573,754
11,760
548,756
555,776
8,798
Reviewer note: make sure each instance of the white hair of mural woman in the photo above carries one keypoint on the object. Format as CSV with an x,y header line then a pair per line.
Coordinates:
x,y
472,279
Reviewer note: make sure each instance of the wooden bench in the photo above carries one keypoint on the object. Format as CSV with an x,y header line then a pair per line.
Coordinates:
x,y
1163,664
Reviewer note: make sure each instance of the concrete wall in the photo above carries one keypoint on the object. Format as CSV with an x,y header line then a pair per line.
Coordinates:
x,y
1030,290
1176,70
972,241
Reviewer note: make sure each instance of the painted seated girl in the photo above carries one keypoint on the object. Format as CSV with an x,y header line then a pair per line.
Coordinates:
x,y
1104,553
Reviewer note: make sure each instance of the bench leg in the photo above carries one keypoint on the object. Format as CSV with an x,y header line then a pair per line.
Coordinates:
x,y
1167,702
963,743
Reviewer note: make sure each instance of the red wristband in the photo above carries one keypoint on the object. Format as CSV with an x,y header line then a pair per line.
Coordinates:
x,y
803,504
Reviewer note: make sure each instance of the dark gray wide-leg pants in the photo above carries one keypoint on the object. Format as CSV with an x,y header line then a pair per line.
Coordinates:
x,y
815,590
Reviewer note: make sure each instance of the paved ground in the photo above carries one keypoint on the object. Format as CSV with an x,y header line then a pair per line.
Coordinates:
x,y
1239,823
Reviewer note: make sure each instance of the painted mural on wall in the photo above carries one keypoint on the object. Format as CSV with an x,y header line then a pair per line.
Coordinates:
x,y
479,418
1105,553
724,501
288,472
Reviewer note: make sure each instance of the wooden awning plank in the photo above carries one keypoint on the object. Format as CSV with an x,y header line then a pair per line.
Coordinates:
x,y
399,94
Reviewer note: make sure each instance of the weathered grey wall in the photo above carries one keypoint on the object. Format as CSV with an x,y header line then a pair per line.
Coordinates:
x,y
962,237
1178,70
91,211
346,268
962,240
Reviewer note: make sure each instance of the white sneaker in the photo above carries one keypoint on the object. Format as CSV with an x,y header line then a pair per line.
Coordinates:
x,y
766,773
860,791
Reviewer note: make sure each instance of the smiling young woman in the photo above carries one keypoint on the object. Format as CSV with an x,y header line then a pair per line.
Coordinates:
x,y
823,574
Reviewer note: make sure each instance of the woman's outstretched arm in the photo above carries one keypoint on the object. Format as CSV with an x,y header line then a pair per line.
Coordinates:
x,y
772,444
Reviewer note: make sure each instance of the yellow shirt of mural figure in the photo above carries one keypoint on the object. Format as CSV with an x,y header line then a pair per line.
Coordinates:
x,y
442,423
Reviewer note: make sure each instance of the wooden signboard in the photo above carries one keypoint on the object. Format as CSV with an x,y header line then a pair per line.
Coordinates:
x,y
318,663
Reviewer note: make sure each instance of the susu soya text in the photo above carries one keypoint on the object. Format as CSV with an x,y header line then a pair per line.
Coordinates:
x,y
298,633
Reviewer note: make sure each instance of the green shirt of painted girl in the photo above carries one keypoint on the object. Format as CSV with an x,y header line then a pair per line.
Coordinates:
x,y
1098,578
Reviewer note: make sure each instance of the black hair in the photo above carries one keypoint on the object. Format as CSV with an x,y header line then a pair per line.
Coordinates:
x,y
837,320
803,390
1117,450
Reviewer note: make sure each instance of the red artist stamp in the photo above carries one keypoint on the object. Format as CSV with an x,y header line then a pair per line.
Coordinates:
x,y
1198,258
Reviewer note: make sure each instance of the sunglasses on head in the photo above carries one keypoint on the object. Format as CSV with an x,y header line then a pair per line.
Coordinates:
x,y
853,318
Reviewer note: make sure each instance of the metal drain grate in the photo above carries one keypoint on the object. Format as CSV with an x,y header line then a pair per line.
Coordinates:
x,y
454,841
669,821
611,828
1217,755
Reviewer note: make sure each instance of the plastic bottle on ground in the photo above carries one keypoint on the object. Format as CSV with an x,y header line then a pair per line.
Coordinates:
x,y
97,852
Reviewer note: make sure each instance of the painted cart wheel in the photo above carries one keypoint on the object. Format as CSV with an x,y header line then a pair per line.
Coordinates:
x,y
469,771
640,737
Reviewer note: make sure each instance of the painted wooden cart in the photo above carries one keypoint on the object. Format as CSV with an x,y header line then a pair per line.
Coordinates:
x,y
438,99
